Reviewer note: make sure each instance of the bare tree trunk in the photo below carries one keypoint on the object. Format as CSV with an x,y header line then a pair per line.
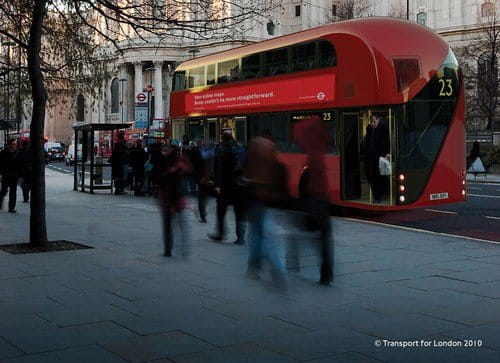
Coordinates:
x,y
38,226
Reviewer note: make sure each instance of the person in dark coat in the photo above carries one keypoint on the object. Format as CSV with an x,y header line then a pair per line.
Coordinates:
x,y
228,168
118,160
172,194
198,154
375,145
10,168
25,173
138,158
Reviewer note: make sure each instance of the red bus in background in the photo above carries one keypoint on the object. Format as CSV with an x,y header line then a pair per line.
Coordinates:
x,y
342,73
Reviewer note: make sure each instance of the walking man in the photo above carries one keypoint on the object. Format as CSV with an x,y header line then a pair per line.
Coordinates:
x,y
9,173
227,170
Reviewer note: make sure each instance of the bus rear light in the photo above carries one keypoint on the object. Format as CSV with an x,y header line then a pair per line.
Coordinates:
x,y
401,177
463,182
463,172
402,198
401,188
463,193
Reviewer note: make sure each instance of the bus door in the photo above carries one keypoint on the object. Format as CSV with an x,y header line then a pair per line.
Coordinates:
x,y
178,129
240,129
351,122
211,131
196,129
386,116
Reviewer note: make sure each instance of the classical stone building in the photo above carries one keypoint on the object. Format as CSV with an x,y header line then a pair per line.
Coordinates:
x,y
151,63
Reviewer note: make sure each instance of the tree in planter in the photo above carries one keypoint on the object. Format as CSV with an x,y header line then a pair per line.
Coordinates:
x,y
65,45
479,61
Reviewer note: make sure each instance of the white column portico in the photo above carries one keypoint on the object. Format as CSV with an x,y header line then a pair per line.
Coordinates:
x,y
138,77
158,86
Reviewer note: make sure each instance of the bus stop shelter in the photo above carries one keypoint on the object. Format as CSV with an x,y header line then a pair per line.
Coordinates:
x,y
87,160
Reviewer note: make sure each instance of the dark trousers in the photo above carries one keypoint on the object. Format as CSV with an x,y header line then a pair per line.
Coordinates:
x,y
11,186
138,183
319,214
26,188
167,229
203,191
239,212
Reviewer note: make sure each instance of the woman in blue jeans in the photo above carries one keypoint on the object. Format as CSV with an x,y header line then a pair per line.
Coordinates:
x,y
266,183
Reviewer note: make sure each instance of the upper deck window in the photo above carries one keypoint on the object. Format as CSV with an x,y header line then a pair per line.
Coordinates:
x,y
304,57
276,62
196,77
211,74
179,80
250,67
228,71
294,58
327,56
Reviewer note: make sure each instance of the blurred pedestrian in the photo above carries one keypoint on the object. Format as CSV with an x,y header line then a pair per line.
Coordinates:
x,y
155,161
10,168
266,180
25,172
228,168
200,176
172,195
312,136
118,164
138,158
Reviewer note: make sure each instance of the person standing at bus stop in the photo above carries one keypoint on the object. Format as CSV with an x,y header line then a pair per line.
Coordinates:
x,y
376,145
118,163
9,173
228,168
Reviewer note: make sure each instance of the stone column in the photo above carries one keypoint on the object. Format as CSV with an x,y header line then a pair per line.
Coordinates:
x,y
122,91
168,89
158,86
138,77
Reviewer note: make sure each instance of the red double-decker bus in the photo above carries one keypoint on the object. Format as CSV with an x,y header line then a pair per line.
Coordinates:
x,y
343,73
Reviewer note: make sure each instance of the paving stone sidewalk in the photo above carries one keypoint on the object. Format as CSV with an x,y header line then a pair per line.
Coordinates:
x,y
123,301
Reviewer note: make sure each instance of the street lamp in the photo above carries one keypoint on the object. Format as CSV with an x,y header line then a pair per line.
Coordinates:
x,y
121,80
7,81
149,89
407,9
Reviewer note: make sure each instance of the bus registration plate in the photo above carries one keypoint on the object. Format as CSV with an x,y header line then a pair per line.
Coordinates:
x,y
438,196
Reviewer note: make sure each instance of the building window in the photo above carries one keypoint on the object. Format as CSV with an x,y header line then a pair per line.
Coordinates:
x,y
422,18
297,10
115,103
334,10
270,28
80,108
487,9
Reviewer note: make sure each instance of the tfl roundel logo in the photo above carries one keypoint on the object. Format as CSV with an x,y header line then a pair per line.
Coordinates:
x,y
320,96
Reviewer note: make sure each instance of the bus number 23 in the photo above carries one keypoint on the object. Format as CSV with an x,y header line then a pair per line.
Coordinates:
x,y
446,87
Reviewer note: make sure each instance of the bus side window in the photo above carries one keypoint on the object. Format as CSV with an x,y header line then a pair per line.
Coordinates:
x,y
211,74
304,57
228,71
327,56
276,62
180,81
250,67
196,77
